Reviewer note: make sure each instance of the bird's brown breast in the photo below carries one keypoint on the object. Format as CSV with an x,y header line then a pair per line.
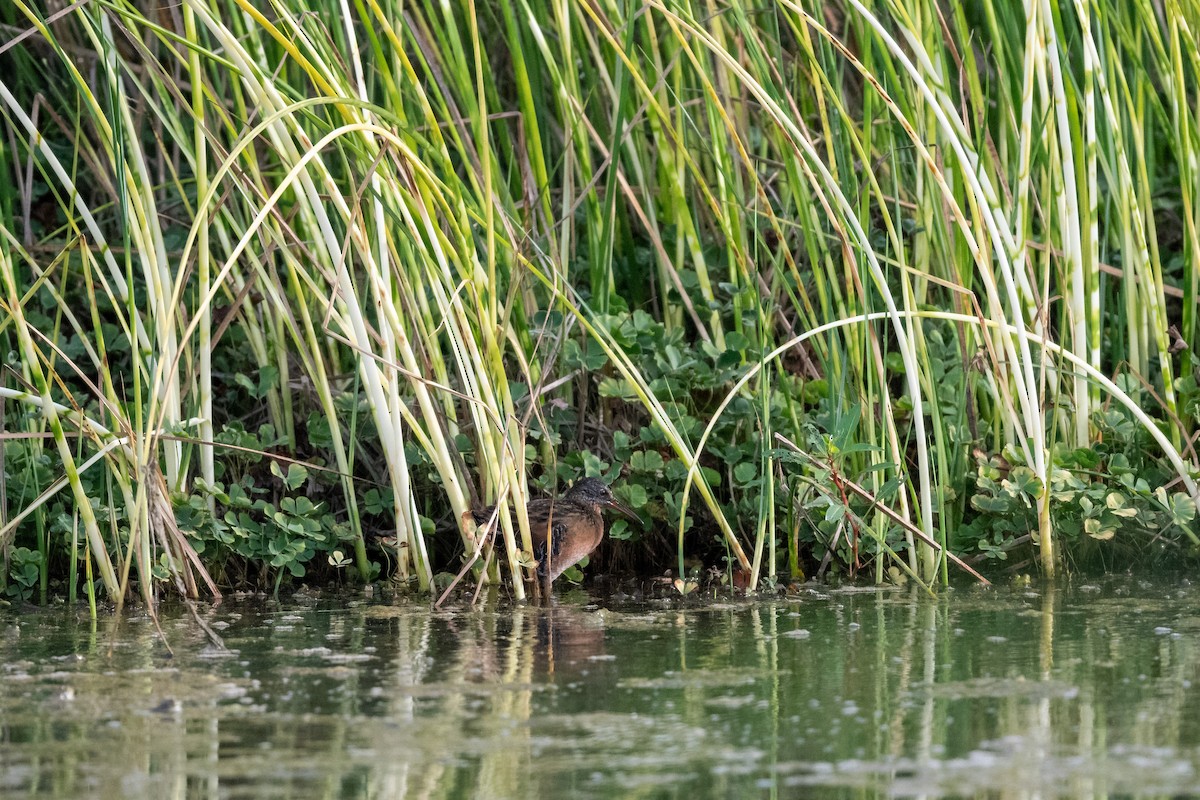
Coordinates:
x,y
563,532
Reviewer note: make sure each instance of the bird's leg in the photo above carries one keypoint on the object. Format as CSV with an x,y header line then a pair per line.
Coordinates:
x,y
547,569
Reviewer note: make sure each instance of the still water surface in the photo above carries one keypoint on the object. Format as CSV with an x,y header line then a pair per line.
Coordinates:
x,y
1076,690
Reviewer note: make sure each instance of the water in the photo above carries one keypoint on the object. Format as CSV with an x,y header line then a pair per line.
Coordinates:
x,y
1079,690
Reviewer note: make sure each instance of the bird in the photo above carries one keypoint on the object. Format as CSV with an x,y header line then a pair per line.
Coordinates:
x,y
567,528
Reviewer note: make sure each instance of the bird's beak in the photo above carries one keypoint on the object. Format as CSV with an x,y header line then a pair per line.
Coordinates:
x,y
622,509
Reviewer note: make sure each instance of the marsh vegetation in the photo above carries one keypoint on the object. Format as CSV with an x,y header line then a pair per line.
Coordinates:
x,y
853,288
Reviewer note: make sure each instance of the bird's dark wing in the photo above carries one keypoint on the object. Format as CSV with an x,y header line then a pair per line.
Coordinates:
x,y
547,520
558,534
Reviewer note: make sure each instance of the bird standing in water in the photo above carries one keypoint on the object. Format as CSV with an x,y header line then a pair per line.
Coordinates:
x,y
567,528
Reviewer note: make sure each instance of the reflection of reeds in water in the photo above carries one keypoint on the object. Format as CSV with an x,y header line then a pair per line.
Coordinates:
x,y
478,701
1004,694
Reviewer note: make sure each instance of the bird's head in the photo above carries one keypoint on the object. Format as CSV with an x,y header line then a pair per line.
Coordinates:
x,y
594,492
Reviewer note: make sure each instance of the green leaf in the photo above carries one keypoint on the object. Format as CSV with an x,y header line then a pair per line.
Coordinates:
x,y
319,434
674,470
845,426
620,531
736,341
295,476
646,461
745,472
375,501
592,464
1183,509
268,378
991,505
1115,501
616,388
1119,464
1012,454
685,587
589,356
1025,481
728,359
634,495
1094,529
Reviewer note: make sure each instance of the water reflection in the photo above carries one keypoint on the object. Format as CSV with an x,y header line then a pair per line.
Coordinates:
x,y
1071,690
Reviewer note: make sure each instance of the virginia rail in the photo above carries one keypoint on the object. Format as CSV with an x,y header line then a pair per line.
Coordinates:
x,y
567,528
